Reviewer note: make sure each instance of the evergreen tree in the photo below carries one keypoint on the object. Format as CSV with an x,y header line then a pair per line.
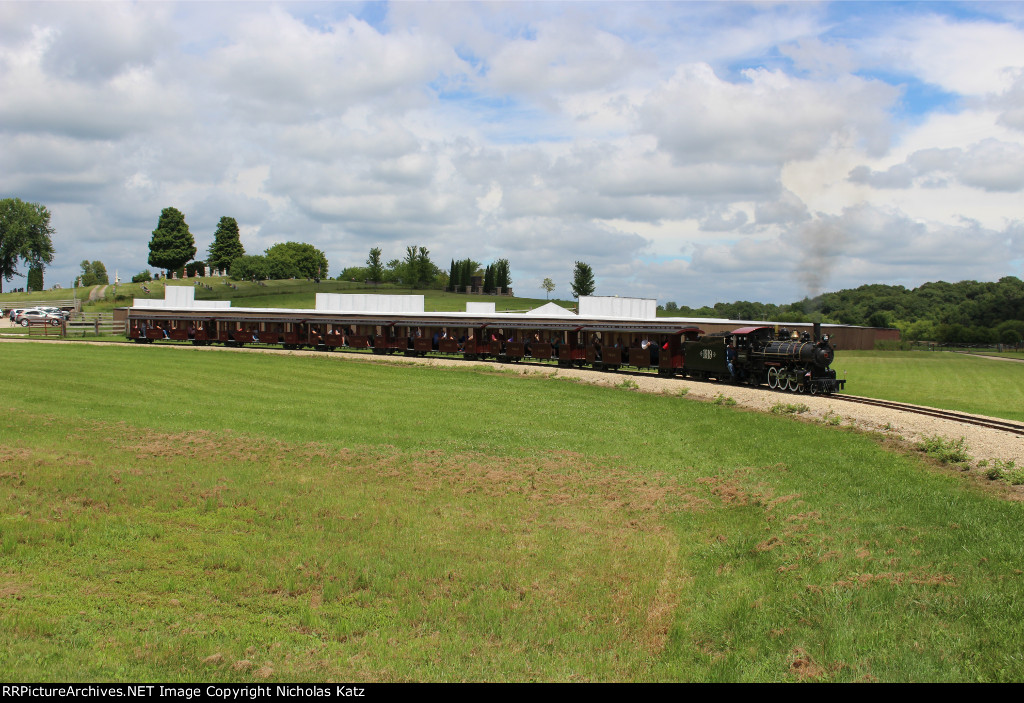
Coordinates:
x,y
502,276
452,277
227,244
35,278
172,245
489,279
583,280
468,269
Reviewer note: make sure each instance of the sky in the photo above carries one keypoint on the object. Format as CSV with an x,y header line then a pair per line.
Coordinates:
x,y
689,152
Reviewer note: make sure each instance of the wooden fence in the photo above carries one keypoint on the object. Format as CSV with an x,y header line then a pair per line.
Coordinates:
x,y
95,324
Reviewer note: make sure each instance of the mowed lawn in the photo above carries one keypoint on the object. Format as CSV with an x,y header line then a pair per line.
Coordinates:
x,y
299,293
939,379
181,515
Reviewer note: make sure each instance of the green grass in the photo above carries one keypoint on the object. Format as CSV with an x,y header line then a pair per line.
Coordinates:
x,y
938,379
275,294
194,515
15,300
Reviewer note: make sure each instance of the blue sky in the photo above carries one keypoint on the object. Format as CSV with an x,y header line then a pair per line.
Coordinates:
x,y
693,152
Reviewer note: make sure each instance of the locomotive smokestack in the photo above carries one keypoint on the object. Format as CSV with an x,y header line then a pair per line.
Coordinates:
x,y
817,332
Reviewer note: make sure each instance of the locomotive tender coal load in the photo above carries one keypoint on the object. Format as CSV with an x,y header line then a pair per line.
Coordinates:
x,y
631,336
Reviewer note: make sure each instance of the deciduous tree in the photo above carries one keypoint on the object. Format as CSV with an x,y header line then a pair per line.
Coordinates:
x,y
548,285
25,237
250,267
94,273
374,267
295,259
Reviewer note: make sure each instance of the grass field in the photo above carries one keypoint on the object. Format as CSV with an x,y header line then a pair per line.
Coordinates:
x,y
274,294
173,515
939,379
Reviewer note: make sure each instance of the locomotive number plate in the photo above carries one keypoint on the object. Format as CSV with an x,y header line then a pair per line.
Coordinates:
x,y
707,354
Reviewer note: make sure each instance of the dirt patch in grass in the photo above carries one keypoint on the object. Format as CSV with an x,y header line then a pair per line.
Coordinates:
x,y
803,666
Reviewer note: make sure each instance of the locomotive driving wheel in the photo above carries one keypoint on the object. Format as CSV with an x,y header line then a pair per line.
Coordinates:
x,y
773,378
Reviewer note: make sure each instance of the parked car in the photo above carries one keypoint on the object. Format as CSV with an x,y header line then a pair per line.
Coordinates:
x,y
28,316
64,314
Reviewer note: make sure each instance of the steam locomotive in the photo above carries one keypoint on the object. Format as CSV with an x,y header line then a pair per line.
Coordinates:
x,y
759,355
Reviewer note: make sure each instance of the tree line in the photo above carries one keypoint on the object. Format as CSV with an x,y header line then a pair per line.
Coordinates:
x,y
415,269
968,312
172,248
493,277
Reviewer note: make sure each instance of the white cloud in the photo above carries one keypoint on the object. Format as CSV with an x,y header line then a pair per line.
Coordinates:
x,y
971,58
768,119
991,165
286,70
694,151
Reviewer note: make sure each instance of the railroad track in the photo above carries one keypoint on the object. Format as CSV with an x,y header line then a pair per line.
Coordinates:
x,y
988,422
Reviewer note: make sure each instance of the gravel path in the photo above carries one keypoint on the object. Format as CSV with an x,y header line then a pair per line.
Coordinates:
x,y
983,443
997,358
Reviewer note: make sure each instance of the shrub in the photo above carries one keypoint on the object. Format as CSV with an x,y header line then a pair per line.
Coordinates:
x,y
789,408
1004,470
195,268
947,451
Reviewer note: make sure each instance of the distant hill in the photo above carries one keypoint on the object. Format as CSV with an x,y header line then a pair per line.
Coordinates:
x,y
964,312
